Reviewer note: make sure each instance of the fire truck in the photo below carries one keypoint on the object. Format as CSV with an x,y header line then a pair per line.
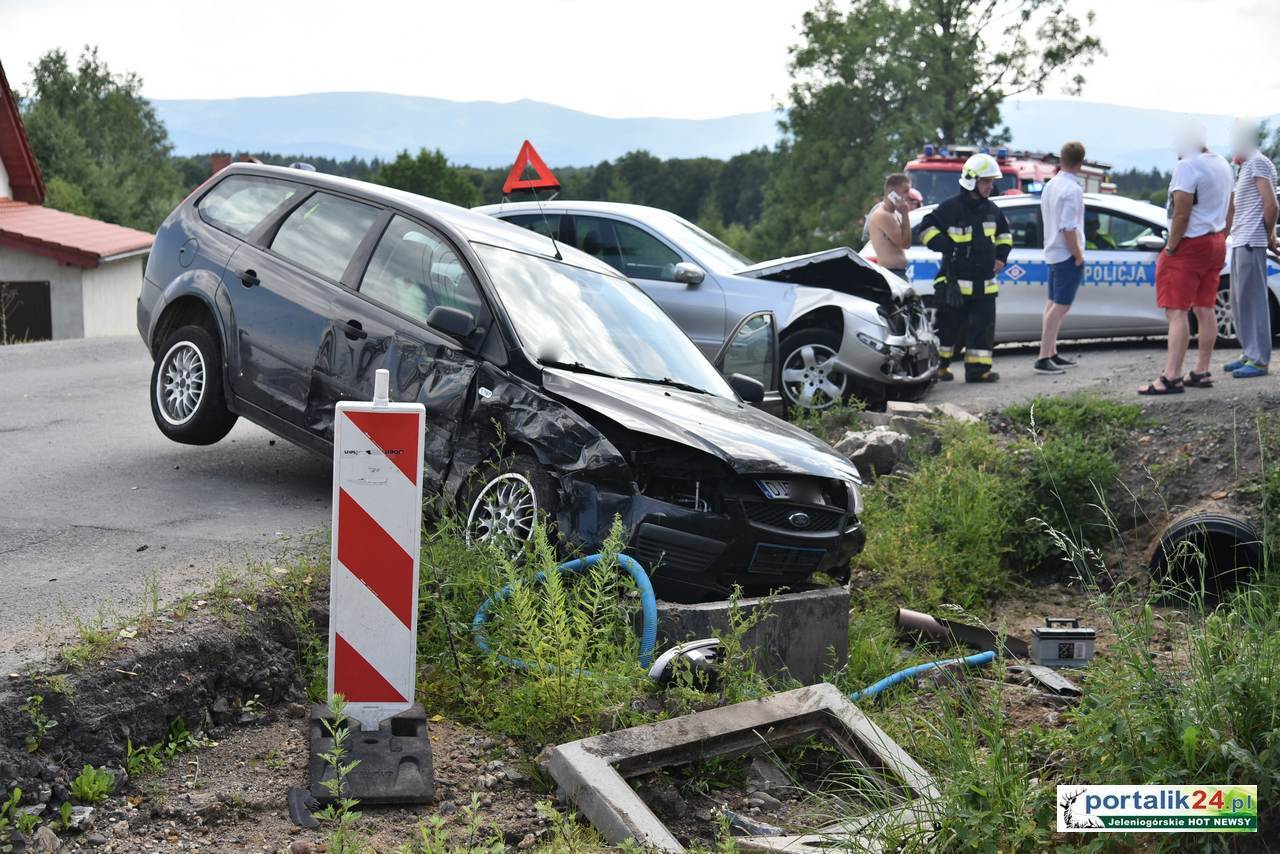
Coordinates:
x,y
1035,168
935,172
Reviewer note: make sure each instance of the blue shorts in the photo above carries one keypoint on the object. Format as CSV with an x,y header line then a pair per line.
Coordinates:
x,y
1064,281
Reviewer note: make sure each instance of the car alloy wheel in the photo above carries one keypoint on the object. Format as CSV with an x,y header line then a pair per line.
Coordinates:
x,y
180,383
506,509
1222,314
810,378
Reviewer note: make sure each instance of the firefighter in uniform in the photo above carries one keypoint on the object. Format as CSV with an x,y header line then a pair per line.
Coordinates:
x,y
974,238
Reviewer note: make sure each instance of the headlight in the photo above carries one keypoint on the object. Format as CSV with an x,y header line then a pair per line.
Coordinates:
x,y
855,497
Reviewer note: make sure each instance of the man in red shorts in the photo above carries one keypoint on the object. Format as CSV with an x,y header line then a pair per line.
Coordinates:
x,y
1188,269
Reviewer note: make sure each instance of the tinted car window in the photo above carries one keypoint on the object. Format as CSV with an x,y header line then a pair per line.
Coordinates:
x,y
240,203
323,233
626,248
547,226
1024,223
413,270
1104,229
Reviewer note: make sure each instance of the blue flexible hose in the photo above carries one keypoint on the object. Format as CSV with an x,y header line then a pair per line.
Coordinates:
x,y
903,675
648,609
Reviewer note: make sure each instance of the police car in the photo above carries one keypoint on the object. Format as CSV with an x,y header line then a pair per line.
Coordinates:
x,y
1123,238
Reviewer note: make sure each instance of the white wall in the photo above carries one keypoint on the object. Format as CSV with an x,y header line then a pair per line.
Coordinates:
x,y
6,192
66,302
111,297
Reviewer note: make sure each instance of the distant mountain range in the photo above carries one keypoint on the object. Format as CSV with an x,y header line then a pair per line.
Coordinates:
x,y
486,133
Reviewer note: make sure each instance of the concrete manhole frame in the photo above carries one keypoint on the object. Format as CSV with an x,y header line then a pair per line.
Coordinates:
x,y
592,772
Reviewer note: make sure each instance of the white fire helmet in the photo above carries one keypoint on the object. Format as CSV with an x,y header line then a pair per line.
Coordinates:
x,y
978,166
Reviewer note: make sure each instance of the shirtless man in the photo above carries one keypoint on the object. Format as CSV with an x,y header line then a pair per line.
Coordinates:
x,y
890,225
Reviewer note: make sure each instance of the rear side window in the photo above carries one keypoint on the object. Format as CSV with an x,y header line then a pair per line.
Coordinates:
x,y
323,233
240,203
547,226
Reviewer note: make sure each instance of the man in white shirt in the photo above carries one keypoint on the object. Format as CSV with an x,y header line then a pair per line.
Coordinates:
x,y
1188,269
1062,210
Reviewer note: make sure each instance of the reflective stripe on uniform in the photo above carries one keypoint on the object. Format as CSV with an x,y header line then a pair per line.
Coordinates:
x,y
977,357
946,352
991,287
966,287
960,234
929,233
989,229
940,279
1004,238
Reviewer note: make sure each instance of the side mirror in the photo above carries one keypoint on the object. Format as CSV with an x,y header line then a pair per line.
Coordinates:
x,y
1150,243
749,389
689,274
453,322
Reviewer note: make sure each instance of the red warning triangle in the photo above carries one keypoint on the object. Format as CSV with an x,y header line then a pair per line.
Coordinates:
x,y
356,680
526,158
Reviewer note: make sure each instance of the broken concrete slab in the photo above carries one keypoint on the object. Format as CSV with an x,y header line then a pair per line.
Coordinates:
x,y
875,451
950,410
592,772
804,637
908,409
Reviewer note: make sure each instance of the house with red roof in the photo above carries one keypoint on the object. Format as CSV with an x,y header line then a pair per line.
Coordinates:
x,y
61,275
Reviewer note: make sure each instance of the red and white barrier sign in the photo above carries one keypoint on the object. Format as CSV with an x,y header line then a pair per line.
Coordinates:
x,y
377,531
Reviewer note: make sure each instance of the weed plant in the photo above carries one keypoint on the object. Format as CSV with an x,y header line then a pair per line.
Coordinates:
x,y
92,785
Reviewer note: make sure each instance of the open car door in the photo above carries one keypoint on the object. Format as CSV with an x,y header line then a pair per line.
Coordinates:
x,y
752,351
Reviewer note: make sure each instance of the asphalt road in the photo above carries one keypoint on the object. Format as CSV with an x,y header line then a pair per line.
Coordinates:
x,y
95,502
1117,368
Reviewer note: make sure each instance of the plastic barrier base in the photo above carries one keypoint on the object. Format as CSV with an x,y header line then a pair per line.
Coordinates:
x,y
395,760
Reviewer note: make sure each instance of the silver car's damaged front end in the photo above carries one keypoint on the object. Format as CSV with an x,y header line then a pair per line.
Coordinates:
x,y
886,340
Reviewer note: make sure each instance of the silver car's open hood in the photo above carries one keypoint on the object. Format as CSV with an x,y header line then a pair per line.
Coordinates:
x,y
839,269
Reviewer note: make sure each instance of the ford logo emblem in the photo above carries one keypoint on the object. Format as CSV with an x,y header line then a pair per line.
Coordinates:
x,y
799,519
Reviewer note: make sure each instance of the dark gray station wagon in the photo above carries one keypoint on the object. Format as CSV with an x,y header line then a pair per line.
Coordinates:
x,y
553,386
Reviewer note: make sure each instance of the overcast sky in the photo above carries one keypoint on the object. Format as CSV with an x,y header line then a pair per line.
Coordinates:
x,y
679,58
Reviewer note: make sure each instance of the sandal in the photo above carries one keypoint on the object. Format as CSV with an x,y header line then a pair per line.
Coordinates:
x,y
1195,380
1170,386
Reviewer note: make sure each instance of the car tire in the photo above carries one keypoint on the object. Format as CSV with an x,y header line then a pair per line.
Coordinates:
x,y
187,399
803,376
1222,312
504,500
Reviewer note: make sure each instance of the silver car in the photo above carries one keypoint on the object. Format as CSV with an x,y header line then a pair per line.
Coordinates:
x,y
1123,238
847,326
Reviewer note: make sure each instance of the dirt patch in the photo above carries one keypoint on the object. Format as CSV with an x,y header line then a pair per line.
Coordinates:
x,y
201,670
232,797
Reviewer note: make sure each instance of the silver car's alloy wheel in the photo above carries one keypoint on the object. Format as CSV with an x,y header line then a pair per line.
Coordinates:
x,y
505,509
1222,314
180,383
810,378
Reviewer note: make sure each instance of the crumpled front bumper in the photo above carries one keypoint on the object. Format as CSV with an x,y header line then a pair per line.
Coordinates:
x,y
700,555
899,350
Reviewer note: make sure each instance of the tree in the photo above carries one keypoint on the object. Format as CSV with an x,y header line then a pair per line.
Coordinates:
x,y
874,79
103,150
428,174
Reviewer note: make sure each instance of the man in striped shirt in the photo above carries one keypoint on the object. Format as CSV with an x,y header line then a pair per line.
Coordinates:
x,y
1251,220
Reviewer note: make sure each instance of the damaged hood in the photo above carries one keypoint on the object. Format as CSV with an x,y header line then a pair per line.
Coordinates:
x,y
839,269
747,440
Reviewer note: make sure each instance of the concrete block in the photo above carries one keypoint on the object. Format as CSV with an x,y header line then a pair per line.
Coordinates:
x,y
593,772
908,409
957,413
805,636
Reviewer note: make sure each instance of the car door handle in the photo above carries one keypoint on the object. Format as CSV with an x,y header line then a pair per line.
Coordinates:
x,y
354,330
249,278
